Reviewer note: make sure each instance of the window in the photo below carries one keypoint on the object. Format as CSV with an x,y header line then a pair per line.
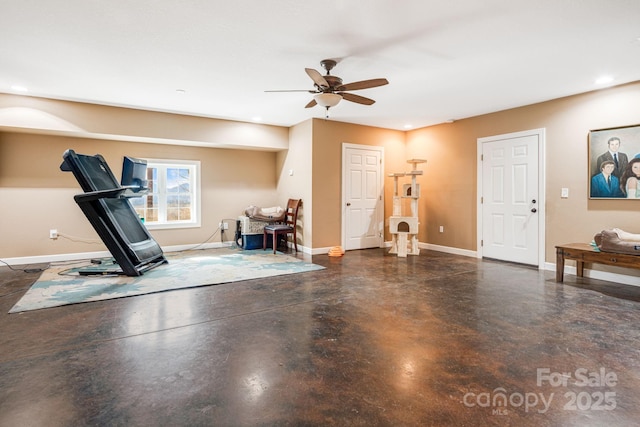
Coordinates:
x,y
173,200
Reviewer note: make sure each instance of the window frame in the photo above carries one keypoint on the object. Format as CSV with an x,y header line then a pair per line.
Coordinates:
x,y
194,165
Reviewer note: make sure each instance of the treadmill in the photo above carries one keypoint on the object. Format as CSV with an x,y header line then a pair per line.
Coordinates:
x,y
106,205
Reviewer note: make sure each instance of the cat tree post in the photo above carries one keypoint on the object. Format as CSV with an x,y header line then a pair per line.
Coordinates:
x,y
397,211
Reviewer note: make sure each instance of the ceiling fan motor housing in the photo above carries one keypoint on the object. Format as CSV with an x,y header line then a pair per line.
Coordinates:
x,y
333,81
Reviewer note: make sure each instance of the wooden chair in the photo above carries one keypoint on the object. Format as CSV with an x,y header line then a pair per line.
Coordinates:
x,y
286,228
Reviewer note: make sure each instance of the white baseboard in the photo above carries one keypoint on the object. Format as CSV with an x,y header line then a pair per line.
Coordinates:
x,y
103,254
600,275
178,248
319,251
40,259
439,248
448,249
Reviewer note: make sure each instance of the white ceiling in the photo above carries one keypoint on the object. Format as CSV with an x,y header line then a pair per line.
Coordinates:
x,y
443,59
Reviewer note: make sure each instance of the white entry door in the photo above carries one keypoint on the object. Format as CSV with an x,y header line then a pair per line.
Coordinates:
x,y
510,197
362,190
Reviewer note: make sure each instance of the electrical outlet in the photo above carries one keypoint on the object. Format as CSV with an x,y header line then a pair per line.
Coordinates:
x,y
223,225
442,228
53,233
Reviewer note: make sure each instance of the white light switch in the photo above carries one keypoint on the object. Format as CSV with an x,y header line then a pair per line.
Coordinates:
x,y
290,172
564,193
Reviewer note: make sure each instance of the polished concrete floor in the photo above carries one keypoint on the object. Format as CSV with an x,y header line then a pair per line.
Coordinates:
x,y
372,340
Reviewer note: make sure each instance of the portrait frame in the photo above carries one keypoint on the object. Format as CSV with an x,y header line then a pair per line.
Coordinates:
x,y
598,152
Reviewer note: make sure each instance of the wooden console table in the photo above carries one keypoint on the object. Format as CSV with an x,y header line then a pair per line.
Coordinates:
x,y
583,252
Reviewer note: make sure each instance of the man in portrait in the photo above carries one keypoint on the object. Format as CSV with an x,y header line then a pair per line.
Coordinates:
x,y
613,154
605,184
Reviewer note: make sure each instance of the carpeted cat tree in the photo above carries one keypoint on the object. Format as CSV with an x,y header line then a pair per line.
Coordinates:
x,y
404,228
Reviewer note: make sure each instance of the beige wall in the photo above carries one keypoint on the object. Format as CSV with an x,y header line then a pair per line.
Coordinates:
x,y
36,196
328,136
448,184
450,175
297,160
233,179
39,115
237,160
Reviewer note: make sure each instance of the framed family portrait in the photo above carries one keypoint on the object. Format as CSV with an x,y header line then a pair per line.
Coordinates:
x,y
614,163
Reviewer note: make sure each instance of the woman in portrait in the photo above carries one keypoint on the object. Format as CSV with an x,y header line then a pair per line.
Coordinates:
x,y
630,180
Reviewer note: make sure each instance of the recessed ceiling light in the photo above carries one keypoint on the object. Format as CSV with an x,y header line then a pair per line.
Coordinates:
x,y
181,91
604,80
256,119
408,126
19,88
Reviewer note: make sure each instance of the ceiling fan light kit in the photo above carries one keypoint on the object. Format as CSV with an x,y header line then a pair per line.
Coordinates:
x,y
327,100
330,91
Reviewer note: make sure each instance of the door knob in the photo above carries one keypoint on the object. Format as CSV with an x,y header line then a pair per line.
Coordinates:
x,y
533,201
348,204
534,210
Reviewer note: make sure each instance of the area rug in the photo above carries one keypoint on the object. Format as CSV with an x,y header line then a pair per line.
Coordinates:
x,y
184,270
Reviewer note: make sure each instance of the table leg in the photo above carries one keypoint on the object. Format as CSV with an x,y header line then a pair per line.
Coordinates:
x,y
579,268
559,265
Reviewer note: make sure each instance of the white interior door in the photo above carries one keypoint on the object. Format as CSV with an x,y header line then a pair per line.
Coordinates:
x,y
511,203
363,206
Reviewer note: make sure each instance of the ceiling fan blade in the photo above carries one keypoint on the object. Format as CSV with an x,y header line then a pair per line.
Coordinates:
x,y
356,98
317,78
293,90
311,103
364,84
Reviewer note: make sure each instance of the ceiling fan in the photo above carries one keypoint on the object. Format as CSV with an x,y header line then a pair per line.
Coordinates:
x,y
329,89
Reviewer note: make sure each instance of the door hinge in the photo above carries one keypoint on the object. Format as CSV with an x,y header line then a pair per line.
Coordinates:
x,y
481,242
481,200
481,157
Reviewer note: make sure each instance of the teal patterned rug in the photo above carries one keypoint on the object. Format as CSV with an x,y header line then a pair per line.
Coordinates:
x,y
185,270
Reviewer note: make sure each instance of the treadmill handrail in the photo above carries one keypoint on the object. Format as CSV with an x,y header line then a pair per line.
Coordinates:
x,y
114,193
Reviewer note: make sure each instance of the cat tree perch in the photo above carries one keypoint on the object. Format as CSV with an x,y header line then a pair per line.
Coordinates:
x,y
404,228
